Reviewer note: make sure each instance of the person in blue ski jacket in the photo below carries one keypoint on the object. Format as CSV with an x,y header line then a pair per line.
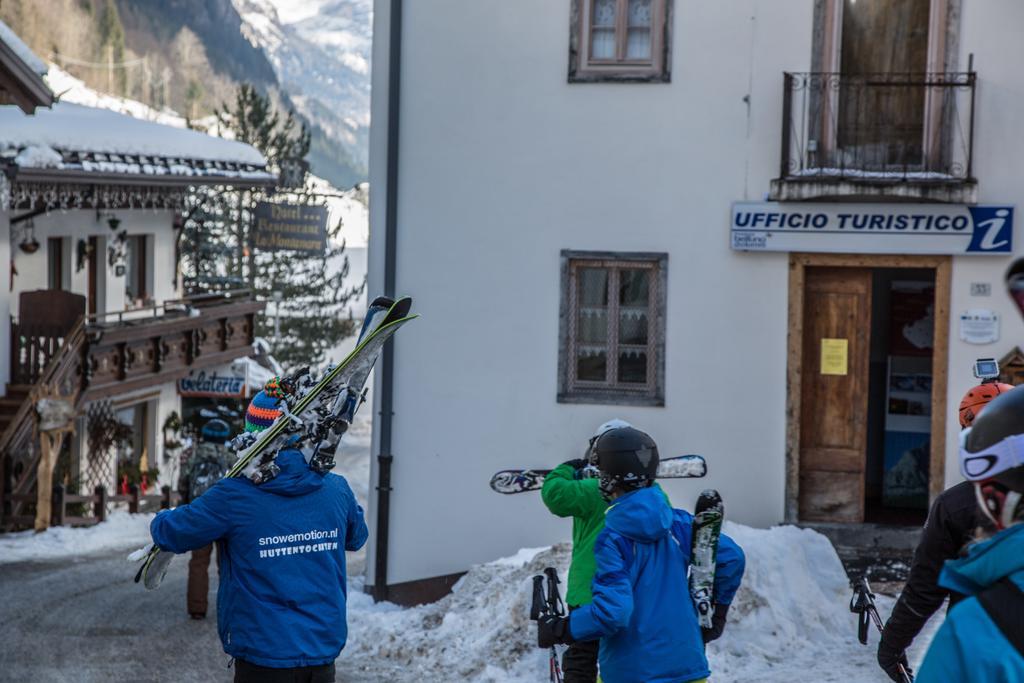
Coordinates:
x,y
281,604
642,610
982,639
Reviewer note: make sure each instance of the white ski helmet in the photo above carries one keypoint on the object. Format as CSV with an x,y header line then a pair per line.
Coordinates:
x,y
610,425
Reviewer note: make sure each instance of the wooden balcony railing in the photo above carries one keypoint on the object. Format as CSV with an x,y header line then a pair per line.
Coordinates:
x,y
113,354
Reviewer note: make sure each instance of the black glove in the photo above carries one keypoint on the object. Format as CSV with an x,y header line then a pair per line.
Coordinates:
x,y
717,624
576,464
889,658
552,630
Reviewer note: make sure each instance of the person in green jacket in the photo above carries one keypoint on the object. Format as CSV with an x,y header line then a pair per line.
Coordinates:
x,y
568,492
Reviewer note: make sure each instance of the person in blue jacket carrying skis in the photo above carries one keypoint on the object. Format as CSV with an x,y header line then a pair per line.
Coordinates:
x,y
281,604
642,610
982,638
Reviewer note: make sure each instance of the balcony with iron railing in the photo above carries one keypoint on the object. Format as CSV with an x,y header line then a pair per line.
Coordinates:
x,y
892,135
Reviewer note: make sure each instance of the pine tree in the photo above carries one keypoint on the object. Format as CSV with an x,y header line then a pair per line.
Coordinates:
x,y
215,241
111,34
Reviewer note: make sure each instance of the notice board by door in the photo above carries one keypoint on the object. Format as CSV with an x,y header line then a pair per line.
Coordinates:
x,y
834,393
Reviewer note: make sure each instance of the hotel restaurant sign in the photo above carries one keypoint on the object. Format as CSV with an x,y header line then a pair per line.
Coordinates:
x,y
872,228
291,227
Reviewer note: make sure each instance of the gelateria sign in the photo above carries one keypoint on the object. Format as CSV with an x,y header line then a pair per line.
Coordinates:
x,y
872,228
220,382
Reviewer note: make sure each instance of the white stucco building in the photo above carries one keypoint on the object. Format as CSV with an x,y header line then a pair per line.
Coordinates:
x,y
568,189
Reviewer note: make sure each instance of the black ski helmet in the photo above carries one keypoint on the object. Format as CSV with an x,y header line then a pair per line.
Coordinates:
x,y
992,456
215,431
615,423
627,459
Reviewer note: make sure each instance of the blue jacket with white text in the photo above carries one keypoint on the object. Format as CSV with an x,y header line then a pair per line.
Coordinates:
x,y
282,595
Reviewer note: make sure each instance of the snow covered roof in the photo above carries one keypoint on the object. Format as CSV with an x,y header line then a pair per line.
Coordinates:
x,y
22,74
72,140
18,46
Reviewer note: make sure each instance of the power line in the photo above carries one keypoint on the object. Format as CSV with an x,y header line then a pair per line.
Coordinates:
x,y
62,59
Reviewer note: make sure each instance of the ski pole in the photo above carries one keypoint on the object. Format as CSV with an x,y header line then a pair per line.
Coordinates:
x,y
542,605
557,607
555,604
537,606
863,605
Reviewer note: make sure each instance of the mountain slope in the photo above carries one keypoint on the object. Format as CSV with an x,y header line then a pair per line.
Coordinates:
x,y
191,55
320,50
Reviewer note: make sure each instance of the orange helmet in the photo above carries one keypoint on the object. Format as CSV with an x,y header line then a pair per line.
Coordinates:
x,y
977,398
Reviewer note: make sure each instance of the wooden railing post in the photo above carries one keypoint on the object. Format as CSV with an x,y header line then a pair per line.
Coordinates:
x,y
165,500
99,509
3,485
59,507
133,498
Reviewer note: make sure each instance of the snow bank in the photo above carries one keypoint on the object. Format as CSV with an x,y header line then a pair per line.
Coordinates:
x,y
790,620
792,609
120,531
75,91
481,632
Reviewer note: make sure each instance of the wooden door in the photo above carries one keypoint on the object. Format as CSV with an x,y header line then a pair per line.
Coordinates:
x,y
834,394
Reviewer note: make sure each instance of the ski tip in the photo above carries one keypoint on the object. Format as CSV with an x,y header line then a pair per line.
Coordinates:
x,y
384,302
401,308
708,498
689,466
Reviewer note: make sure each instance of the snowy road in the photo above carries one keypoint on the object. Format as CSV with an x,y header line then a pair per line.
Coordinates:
x,y
86,621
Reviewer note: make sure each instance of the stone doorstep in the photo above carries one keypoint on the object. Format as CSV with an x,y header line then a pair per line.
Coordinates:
x,y
882,553
869,536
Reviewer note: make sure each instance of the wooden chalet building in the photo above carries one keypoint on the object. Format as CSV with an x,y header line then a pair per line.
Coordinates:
x,y
90,205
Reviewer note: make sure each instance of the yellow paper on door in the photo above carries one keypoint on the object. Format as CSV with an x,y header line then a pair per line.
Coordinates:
x,y
834,354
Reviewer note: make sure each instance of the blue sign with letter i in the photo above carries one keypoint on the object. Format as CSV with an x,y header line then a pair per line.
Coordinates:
x,y
993,229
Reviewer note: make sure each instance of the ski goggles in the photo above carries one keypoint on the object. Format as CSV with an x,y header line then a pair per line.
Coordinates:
x,y
995,459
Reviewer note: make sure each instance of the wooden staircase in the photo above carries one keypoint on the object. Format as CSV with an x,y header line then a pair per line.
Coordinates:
x,y
102,357
9,404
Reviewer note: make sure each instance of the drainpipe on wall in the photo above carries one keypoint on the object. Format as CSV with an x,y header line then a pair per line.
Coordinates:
x,y
385,458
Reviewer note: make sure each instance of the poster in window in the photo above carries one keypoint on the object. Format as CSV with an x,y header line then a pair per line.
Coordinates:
x,y
911,318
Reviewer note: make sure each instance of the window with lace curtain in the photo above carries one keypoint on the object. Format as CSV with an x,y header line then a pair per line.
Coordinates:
x,y
620,40
612,328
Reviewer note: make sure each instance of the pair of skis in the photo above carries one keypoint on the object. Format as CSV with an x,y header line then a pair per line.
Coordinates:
x,y
708,516
316,412
519,481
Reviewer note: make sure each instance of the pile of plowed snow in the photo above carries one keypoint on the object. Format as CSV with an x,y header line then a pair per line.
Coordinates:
x,y
790,620
481,631
120,531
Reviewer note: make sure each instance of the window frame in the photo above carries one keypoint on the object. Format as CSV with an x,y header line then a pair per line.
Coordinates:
x,y
585,69
573,390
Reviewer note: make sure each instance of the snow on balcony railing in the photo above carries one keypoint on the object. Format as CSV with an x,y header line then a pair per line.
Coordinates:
x,y
893,127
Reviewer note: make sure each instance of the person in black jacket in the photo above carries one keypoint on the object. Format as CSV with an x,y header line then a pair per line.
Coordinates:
x,y
953,521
